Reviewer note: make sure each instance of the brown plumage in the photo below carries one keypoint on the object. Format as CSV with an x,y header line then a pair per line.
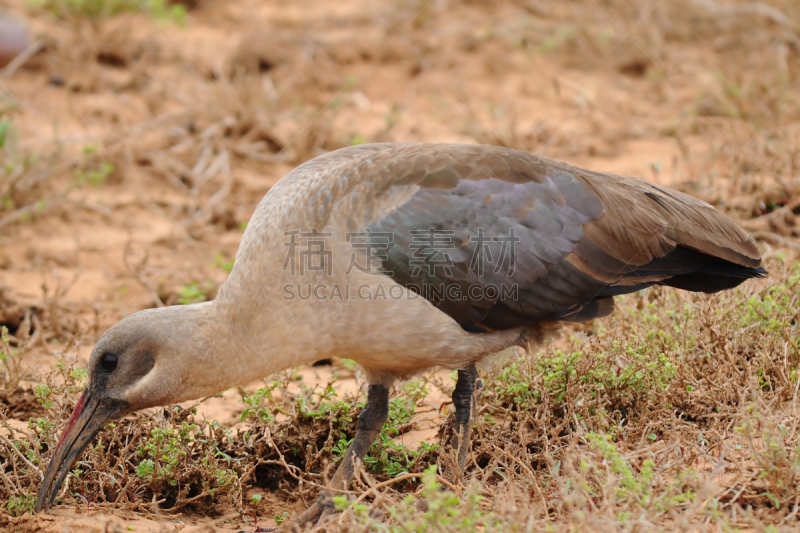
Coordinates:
x,y
421,255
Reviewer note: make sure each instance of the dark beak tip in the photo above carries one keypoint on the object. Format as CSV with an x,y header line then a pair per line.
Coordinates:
x,y
41,501
92,412
72,442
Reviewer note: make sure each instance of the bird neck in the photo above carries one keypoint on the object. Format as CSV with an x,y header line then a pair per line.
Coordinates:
x,y
200,355
244,344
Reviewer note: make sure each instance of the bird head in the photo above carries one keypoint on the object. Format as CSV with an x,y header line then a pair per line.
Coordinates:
x,y
136,364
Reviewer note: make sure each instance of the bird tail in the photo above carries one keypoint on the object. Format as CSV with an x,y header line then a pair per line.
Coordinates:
x,y
715,276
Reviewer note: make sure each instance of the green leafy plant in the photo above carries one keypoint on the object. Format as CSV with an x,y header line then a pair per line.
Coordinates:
x,y
255,403
224,264
445,511
158,9
19,505
95,177
163,451
191,293
5,131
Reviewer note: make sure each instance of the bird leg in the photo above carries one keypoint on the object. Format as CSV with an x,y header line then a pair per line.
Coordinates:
x,y
465,401
370,422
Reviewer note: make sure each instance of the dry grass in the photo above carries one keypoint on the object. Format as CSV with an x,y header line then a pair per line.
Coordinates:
x,y
679,411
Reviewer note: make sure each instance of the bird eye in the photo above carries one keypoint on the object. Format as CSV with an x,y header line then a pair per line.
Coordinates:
x,y
109,362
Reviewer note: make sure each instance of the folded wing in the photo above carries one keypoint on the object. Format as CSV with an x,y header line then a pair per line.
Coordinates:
x,y
498,238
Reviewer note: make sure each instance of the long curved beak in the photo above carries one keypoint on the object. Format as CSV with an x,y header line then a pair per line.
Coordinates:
x,y
90,416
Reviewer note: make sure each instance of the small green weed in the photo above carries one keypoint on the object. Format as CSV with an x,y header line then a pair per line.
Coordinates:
x,y
255,403
224,264
6,129
157,9
191,293
162,452
445,512
19,505
95,177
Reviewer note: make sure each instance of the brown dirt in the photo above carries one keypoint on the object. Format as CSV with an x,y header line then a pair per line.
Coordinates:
x,y
141,148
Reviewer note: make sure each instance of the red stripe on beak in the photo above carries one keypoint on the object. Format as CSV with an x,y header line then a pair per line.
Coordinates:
x,y
71,422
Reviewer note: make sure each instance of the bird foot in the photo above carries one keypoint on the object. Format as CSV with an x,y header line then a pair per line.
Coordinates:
x,y
314,516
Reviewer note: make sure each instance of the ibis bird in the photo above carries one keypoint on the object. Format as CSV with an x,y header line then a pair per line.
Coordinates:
x,y
405,257
13,39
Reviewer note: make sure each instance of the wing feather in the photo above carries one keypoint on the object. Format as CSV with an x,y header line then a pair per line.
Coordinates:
x,y
583,236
